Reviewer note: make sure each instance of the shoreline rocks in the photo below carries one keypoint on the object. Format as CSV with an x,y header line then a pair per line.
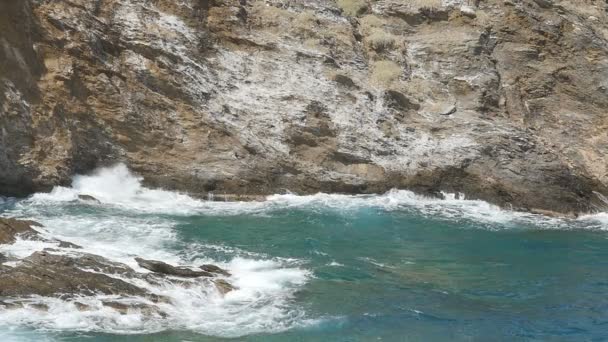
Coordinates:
x,y
11,228
68,276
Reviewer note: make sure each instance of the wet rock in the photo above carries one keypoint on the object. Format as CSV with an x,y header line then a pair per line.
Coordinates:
x,y
67,244
10,305
125,308
164,268
214,269
46,274
39,306
81,307
88,198
223,286
11,228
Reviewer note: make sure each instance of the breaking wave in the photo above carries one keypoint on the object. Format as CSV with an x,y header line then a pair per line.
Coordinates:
x,y
117,187
145,226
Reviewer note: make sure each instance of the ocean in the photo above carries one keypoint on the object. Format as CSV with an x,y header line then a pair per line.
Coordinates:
x,y
325,267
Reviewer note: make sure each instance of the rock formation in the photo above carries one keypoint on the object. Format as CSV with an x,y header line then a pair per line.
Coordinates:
x,y
70,276
504,100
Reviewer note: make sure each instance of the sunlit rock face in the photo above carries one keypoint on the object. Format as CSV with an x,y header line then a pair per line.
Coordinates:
x,y
502,100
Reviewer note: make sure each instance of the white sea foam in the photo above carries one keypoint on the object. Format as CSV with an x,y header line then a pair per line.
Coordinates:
x,y
117,230
117,187
131,221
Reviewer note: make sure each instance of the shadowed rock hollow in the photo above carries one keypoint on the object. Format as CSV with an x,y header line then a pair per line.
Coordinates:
x,y
505,101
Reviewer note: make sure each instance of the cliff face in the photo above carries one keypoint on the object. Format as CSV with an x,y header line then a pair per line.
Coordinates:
x,y
505,101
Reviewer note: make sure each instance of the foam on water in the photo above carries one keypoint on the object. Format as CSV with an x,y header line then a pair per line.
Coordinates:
x,y
132,221
127,224
117,187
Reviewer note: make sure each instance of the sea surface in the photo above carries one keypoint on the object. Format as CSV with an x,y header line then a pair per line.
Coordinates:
x,y
387,267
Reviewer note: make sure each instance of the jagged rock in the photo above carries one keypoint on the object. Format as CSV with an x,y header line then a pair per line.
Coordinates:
x,y
64,276
214,269
68,276
11,228
223,286
220,92
164,268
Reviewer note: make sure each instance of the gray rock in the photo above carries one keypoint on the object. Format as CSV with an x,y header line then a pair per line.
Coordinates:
x,y
64,277
249,105
88,198
223,286
164,268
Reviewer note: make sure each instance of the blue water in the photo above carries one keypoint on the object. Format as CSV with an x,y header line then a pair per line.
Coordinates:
x,y
378,273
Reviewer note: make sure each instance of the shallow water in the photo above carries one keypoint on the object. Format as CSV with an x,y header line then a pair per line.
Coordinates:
x,y
392,267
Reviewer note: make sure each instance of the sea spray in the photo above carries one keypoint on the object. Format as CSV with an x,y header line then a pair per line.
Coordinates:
x,y
131,220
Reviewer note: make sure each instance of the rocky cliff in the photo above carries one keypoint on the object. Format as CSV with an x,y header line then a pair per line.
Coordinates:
x,y
504,100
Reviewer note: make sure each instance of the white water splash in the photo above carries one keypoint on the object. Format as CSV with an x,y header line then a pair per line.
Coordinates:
x,y
116,229
117,187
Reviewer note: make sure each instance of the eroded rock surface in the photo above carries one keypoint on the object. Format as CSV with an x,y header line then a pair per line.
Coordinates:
x,y
46,274
71,275
164,268
10,229
502,100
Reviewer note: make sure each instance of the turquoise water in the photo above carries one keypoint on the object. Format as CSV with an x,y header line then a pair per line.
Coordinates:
x,y
383,268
